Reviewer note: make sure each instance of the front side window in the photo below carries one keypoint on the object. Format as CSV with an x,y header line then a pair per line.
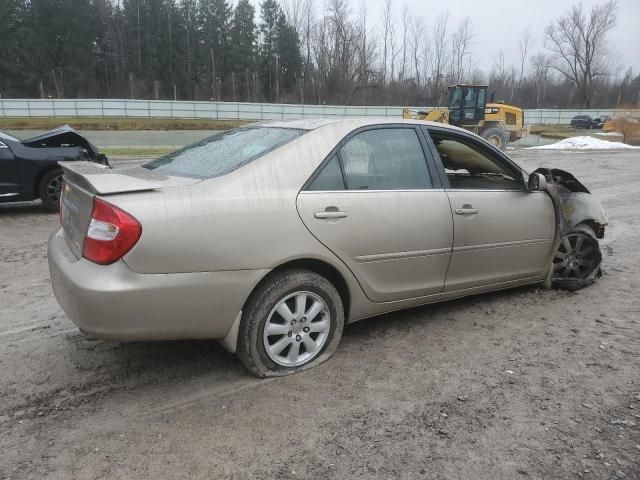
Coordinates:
x,y
385,159
469,166
224,152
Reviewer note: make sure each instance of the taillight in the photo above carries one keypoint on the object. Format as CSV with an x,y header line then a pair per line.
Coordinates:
x,y
111,234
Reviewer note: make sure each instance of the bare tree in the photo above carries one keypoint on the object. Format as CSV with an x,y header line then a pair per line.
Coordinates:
x,y
418,37
426,56
306,33
387,32
393,50
439,57
499,73
540,68
524,45
578,42
344,60
405,34
460,43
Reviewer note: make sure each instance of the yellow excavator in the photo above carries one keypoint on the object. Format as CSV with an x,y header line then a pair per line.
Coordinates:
x,y
467,107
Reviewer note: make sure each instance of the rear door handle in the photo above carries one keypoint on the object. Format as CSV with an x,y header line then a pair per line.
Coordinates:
x,y
330,214
466,210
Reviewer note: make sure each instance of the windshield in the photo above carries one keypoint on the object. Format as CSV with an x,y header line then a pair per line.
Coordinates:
x,y
224,152
6,136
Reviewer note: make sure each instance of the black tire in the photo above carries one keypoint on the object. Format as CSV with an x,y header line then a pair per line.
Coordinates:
x,y
50,188
251,344
497,137
578,256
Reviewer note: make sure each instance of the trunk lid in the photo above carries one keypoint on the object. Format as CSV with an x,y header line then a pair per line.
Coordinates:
x,y
85,180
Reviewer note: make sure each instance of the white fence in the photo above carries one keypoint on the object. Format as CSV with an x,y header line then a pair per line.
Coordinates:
x,y
240,111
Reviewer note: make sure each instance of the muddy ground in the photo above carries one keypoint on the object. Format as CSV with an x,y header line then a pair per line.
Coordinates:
x,y
526,383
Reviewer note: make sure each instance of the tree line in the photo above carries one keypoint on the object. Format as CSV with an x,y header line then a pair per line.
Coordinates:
x,y
293,52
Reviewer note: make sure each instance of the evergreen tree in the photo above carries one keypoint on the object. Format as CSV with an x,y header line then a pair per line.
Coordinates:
x,y
270,13
215,26
243,47
60,45
13,70
280,54
186,60
290,64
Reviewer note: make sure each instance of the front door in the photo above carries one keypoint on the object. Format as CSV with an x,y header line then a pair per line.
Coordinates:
x,y
501,231
376,206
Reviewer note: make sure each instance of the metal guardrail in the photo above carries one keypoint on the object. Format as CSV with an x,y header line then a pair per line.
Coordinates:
x,y
241,111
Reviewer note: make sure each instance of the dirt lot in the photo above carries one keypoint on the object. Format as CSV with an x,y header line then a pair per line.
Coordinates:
x,y
526,383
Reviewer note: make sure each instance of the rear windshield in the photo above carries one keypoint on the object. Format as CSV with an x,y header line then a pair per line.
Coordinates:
x,y
224,152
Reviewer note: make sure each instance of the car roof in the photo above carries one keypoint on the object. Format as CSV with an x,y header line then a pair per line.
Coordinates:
x,y
353,122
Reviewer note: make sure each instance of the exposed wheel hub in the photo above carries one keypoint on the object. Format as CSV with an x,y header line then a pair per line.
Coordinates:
x,y
577,257
296,327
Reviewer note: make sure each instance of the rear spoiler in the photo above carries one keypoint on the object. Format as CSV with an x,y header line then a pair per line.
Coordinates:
x,y
102,180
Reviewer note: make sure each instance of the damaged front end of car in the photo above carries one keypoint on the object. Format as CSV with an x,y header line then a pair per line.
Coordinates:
x,y
64,137
580,223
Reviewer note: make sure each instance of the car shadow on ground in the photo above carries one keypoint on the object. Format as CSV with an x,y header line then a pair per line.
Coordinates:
x,y
187,370
165,361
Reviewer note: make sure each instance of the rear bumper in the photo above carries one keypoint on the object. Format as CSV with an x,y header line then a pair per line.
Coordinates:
x,y
113,302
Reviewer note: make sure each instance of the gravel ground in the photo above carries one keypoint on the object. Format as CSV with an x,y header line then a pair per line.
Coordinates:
x,y
526,383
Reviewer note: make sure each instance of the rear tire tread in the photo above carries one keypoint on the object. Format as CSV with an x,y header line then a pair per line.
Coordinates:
x,y
260,303
52,206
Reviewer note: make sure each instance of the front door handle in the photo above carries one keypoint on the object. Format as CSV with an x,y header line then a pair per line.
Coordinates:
x,y
466,210
330,214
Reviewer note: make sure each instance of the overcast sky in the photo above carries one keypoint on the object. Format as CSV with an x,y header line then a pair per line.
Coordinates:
x,y
498,24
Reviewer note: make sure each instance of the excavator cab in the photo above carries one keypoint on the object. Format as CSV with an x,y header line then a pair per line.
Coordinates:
x,y
467,104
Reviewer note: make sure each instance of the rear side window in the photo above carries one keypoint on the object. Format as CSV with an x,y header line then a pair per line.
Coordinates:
x,y
379,159
224,152
330,178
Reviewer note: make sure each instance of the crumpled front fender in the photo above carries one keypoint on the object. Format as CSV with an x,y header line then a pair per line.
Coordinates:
x,y
574,205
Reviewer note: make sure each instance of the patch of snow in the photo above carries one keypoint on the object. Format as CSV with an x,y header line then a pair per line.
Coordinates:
x,y
609,134
584,143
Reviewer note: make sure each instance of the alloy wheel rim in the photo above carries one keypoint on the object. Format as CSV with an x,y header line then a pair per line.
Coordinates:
x,y
576,257
54,188
297,329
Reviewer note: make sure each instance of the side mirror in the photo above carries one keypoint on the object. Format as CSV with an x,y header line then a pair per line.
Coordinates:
x,y
537,182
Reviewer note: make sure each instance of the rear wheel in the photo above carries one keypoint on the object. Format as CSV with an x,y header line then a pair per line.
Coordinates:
x,y
50,188
291,322
496,137
578,255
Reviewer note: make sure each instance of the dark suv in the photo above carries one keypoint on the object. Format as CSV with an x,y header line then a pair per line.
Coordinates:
x,y
585,121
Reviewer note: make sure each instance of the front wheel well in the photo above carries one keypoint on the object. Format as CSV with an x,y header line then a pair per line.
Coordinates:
x,y
598,228
321,268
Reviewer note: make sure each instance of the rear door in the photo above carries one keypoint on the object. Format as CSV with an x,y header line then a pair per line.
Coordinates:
x,y
9,181
375,203
502,232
